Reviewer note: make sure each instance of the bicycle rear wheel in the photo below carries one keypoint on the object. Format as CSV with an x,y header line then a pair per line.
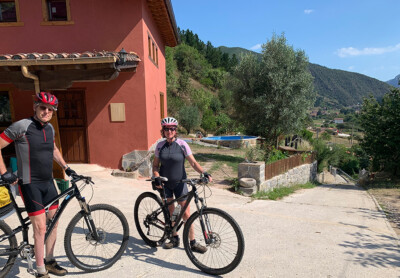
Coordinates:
x,y
89,254
150,218
225,251
6,245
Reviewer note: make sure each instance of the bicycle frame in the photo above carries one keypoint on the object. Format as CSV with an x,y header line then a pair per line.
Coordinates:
x,y
70,193
171,229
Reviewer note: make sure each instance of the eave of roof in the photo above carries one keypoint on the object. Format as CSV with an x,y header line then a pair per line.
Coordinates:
x,y
164,17
59,71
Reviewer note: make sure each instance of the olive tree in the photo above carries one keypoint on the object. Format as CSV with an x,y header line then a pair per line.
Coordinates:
x,y
272,95
189,117
381,124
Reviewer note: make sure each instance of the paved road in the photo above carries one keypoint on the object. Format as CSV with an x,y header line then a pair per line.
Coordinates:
x,y
328,231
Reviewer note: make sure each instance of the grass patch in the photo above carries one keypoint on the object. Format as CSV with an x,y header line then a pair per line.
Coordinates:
x,y
231,161
279,193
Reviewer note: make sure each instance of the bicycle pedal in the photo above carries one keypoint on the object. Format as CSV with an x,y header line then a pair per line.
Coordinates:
x,y
32,272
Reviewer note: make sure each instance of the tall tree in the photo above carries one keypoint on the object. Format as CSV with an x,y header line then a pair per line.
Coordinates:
x,y
381,123
273,94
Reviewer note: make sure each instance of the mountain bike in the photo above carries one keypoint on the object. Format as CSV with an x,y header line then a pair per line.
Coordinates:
x,y
213,228
94,240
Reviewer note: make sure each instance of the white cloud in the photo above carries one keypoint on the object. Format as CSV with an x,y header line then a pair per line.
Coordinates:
x,y
256,47
351,51
351,68
308,11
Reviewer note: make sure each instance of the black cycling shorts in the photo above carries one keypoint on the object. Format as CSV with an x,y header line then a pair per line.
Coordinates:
x,y
36,194
178,191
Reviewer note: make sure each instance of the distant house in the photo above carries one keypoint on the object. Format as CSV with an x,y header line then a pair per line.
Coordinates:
x,y
314,113
104,60
338,120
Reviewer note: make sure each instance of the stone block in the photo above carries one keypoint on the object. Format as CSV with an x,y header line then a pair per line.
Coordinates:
x,y
138,160
248,191
129,175
252,170
247,182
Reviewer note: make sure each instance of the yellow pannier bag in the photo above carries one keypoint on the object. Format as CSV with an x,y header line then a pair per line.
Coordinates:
x,y
4,197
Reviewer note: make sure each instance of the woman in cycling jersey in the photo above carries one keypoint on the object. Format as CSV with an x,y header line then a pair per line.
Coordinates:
x,y
169,161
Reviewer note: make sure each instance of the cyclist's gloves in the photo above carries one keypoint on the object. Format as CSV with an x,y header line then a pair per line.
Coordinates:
x,y
70,172
207,175
9,177
157,181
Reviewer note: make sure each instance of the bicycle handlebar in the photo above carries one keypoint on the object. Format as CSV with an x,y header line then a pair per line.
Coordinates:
x,y
76,178
193,181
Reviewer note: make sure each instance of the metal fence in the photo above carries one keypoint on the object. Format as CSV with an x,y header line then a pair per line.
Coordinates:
x,y
282,166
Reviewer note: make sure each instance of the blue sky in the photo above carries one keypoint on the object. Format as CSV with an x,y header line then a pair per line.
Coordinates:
x,y
355,35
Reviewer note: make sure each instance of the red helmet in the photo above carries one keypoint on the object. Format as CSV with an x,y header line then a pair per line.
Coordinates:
x,y
47,98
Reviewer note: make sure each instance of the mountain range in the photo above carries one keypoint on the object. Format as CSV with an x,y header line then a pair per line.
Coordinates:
x,y
335,88
395,81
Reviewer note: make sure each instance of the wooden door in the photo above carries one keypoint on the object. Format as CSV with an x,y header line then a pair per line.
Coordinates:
x,y
71,115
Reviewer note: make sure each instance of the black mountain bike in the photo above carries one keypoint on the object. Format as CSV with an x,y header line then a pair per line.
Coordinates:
x,y
213,228
94,240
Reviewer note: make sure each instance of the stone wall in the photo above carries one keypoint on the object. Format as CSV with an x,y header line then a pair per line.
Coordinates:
x,y
299,175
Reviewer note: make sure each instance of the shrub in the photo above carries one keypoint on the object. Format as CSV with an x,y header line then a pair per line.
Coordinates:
x,y
275,155
189,117
255,154
209,122
326,136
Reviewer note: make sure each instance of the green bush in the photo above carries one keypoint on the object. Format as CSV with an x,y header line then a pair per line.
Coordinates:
x,y
323,153
206,82
209,122
326,136
306,135
190,60
189,117
174,104
202,99
224,123
215,105
275,155
255,154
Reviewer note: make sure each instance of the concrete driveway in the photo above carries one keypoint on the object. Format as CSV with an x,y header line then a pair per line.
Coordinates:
x,y
328,231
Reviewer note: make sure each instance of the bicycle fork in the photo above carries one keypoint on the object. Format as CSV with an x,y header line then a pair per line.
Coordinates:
x,y
93,233
204,223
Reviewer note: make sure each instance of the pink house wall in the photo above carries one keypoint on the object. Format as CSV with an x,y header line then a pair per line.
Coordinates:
x,y
101,25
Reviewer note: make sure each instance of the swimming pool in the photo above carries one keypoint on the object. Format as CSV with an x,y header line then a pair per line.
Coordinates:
x,y
234,141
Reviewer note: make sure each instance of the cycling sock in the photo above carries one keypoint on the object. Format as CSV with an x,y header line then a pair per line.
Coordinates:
x,y
192,242
41,269
176,237
50,258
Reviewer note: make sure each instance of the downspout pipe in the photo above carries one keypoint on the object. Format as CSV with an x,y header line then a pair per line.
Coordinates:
x,y
27,74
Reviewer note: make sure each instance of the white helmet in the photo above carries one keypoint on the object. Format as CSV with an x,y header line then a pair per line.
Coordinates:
x,y
169,121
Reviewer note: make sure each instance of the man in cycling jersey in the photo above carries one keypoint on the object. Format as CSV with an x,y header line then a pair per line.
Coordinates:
x,y
171,154
36,150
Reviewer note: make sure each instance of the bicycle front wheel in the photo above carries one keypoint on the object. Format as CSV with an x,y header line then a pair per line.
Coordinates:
x,y
150,218
6,245
226,242
91,254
